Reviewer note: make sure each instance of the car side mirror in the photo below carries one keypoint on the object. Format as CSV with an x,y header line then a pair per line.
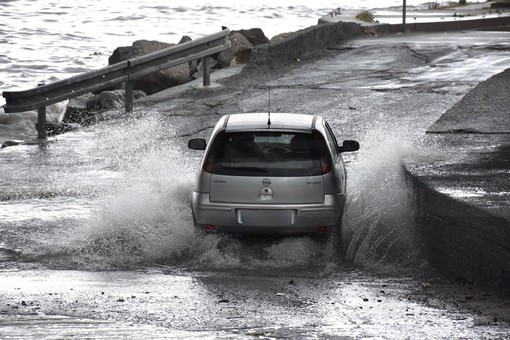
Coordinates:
x,y
349,145
197,144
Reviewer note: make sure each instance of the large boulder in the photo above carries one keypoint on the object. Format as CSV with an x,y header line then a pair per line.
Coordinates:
x,y
281,37
17,125
254,35
193,65
163,79
238,53
156,81
77,111
109,100
119,54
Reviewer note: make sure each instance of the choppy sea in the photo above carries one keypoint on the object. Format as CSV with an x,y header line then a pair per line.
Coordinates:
x,y
44,41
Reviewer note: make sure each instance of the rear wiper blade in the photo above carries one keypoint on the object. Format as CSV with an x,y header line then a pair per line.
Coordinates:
x,y
244,168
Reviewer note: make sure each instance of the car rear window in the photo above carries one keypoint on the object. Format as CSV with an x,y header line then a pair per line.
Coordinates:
x,y
268,153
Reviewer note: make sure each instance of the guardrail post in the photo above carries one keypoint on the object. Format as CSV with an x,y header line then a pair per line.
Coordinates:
x,y
129,95
41,120
205,69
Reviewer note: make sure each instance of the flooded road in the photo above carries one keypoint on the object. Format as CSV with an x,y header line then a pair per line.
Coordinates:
x,y
158,303
97,240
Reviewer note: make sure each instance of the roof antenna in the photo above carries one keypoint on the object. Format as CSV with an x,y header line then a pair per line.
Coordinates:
x,y
269,110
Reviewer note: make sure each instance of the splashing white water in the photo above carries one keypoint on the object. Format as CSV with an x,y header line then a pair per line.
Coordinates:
x,y
379,220
143,217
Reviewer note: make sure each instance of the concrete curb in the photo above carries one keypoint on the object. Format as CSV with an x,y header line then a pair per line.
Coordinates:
x,y
441,26
462,194
470,115
462,241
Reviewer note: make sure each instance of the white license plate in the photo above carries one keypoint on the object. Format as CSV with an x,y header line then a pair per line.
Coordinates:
x,y
266,217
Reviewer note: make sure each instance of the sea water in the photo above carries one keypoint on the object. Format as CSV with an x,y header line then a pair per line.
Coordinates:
x,y
44,41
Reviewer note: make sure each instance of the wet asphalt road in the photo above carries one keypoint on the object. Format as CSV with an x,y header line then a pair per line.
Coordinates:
x,y
154,303
138,283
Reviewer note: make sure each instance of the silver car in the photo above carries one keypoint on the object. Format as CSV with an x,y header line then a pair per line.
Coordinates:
x,y
270,173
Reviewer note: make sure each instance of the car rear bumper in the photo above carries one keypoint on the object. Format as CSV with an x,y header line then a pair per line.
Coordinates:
x,y
267,218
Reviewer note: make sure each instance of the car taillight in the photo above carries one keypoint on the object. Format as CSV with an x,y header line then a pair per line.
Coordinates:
x,y
325,168
210,227
208,166
209,163
322,229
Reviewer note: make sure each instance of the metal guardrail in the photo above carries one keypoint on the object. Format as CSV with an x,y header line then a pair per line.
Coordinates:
x,y
123,72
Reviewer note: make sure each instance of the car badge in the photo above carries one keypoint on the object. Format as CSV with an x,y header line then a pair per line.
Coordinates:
x,y
266,182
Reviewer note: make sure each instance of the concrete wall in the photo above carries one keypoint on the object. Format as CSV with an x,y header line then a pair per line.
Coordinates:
x,y
441,26
303,43
462,242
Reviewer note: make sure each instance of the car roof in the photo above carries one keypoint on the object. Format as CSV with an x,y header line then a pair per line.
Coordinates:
x,y
259,121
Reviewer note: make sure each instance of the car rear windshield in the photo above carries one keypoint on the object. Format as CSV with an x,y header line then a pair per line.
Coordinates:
x,y
268,153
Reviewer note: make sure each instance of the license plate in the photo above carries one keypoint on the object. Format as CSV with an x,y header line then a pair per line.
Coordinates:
x,y
266,217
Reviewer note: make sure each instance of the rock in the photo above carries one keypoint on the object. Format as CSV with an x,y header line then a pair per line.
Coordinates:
x,y
281,36
185,38
255,36
156,81
52,129
18,125
120,54
213,64
163,79
11,143
482,321
143,47
238,53
77,111
110,100
193,65
256,334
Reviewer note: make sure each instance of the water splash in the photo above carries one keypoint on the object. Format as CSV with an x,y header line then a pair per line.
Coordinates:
x,y
147,219
378,225
141,216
